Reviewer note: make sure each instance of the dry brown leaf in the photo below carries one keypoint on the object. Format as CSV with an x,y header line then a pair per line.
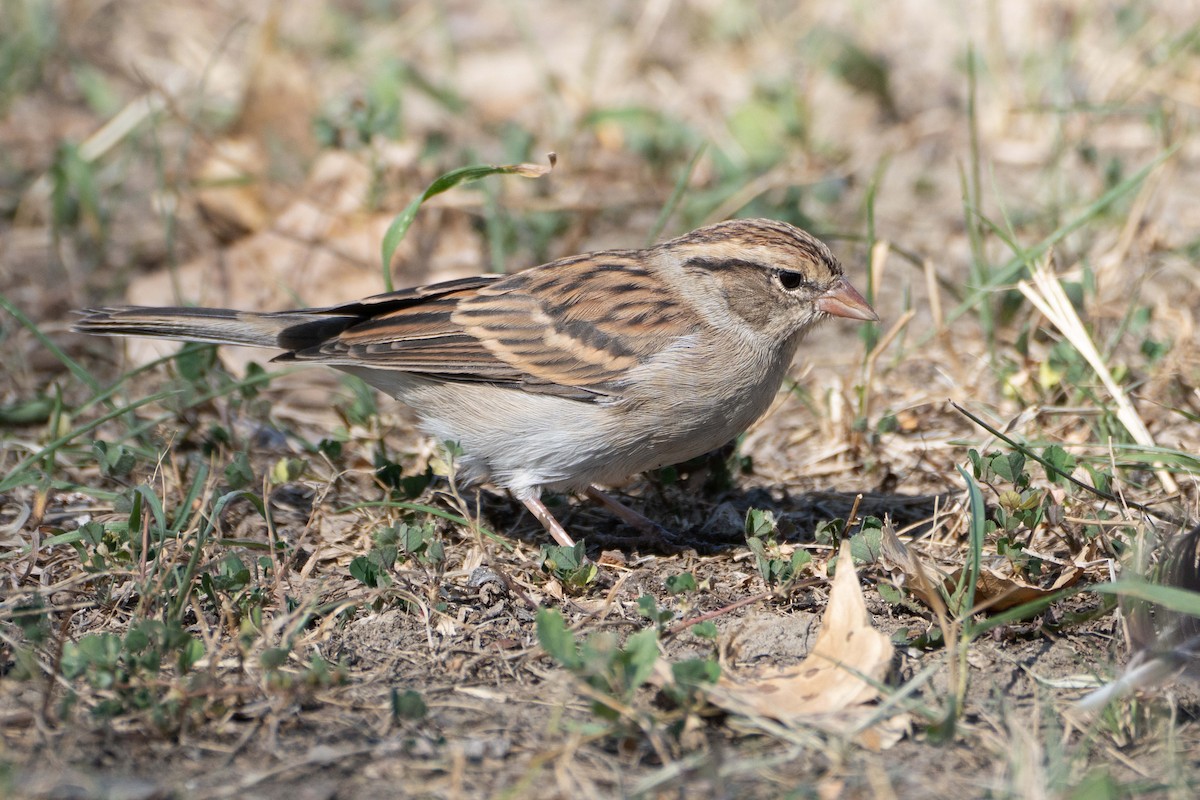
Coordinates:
x,y
994,591
228,189
910,571
255,170
280,98
830,688
997,592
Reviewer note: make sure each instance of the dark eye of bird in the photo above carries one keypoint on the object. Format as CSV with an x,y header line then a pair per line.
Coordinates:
x,y
790,280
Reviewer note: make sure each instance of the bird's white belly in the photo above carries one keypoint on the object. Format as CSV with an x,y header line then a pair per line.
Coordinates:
x,y
523,441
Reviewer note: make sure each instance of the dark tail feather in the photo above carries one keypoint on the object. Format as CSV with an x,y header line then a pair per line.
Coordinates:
x,y
289,330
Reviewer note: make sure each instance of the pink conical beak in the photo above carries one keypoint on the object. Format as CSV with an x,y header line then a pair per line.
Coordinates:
x,y
843,300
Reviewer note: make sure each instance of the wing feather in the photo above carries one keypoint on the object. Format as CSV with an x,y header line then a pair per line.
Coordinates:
x,y
573,328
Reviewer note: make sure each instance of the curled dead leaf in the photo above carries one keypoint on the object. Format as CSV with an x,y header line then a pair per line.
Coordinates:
x,y
994,591
831,687
910,571
535,170
997,592
228,191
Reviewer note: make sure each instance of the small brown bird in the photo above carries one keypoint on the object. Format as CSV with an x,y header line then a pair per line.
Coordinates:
x,y
579,372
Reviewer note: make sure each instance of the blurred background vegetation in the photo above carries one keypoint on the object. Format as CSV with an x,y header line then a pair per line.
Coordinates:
x,y
253,154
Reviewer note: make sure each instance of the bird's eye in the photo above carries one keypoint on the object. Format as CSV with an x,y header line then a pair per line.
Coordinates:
x,y
790,280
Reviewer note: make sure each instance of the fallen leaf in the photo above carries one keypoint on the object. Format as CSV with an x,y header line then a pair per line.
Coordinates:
x,y
228,190
997,592
994,591
910,571
831,687
280,100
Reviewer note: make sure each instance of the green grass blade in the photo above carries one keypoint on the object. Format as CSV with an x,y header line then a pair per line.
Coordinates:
x,y
201,399
17,476
71,364
1025,610
1016,264
156,507
185,512
403,221
672,203
186,580
1172,598
964,594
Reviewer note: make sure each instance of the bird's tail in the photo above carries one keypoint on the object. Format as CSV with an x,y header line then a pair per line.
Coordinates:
x,y
289,330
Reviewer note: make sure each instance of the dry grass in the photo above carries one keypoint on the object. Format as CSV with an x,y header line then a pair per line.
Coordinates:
x,y
218,601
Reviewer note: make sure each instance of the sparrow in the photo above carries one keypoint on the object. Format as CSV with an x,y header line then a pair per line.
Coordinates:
x,y
579,372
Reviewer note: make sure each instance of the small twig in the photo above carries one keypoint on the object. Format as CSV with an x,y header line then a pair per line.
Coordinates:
x,y
273,540
144,556
935,295
680,627
60,643
513,587
853,512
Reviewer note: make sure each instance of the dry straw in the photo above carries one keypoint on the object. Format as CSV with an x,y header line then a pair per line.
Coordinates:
x,y
1047,295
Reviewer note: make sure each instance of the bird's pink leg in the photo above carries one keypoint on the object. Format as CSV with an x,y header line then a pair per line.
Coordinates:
x,y
626,514
552,526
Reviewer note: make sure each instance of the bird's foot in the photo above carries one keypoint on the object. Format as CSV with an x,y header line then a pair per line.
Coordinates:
x,y
652,536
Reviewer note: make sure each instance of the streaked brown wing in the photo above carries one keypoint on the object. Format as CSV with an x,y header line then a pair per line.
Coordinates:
x,y
562,329
409,330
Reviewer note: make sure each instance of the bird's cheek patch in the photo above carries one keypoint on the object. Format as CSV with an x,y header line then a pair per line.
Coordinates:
x,y
749,298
